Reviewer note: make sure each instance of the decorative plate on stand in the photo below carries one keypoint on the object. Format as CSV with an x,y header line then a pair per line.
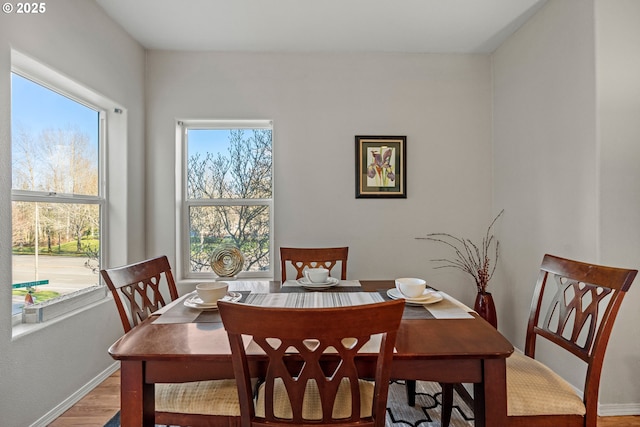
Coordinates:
x,y
227,261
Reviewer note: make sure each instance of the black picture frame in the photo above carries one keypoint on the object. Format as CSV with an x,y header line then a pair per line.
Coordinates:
x,y
381,171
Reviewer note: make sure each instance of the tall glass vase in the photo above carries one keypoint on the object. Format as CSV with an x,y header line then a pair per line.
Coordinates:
x,y
486,308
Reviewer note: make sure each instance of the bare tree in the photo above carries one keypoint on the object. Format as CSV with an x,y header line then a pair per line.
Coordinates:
x,y
24,162
59,161
244,173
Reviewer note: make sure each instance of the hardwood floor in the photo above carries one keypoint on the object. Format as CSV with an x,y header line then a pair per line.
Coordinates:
x,y
97,407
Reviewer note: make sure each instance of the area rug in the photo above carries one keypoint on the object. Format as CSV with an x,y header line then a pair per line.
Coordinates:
x,y
426,413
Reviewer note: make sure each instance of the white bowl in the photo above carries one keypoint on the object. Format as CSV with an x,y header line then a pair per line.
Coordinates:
x,y
411,287
210,292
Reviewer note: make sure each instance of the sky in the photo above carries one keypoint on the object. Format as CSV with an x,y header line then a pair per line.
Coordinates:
x,y
208,140
35,108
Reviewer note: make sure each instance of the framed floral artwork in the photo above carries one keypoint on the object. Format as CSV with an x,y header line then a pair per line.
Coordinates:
x,y
381,170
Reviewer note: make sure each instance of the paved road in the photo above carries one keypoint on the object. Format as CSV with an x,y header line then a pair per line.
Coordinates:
x,y
65,274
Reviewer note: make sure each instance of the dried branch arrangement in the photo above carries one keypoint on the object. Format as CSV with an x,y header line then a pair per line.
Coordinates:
x,y
469,257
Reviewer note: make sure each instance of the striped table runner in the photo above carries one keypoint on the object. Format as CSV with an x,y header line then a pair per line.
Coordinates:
x,y
313,299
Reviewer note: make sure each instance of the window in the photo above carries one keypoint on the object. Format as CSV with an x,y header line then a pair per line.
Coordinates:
x,y
57,195
228,188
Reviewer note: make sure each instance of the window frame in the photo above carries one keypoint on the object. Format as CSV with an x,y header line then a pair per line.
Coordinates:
x,y
183,230
52,80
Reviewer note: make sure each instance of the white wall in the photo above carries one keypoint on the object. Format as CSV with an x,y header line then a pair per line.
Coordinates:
x,y
618,133
39,370
560,156
318,103
558,179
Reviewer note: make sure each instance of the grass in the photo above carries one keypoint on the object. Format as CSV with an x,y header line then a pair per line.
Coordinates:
x,y
38,296
64,249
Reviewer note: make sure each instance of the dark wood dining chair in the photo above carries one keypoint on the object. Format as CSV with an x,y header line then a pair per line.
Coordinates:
x,y
302,258
574,306
299,388
203,403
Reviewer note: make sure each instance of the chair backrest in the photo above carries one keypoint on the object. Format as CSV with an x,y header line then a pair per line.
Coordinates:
x,y
313,257
141,285
578,313
295,339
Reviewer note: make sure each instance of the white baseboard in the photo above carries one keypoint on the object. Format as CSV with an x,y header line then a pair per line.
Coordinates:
x,y
49,417
616,409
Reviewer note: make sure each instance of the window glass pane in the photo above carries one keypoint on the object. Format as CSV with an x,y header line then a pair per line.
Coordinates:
x,y
55,249
55,158
229,163
54,141
246,227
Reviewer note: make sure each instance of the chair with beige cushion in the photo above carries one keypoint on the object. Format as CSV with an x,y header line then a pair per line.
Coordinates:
x,y
142,286
311,377
301,258
574,307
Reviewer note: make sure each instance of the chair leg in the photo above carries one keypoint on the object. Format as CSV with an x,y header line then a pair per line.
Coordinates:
x,y
411,392
447,404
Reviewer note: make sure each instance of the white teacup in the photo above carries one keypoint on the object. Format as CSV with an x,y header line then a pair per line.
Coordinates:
x,y
210,292
411,287
316,275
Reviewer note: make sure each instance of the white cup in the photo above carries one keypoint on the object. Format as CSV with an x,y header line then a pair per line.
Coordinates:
x,y
210,292
410,287
316,275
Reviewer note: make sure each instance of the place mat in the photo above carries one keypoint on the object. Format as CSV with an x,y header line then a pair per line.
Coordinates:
x,y
342,286
313,299
177,312
448,308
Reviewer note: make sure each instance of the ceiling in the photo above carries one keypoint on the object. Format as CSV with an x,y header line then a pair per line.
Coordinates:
x,y
407,26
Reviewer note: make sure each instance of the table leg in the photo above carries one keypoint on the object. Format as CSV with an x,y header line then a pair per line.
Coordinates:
x,y
410,387
490,397
137,399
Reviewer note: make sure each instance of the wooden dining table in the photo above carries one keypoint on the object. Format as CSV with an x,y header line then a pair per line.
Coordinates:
x,y
446,350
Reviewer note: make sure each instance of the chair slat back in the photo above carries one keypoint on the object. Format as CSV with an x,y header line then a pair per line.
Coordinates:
x,y
574,306
301,258
140,285
309,348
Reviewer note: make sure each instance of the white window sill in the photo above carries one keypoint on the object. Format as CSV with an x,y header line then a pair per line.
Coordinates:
x,y
38,316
